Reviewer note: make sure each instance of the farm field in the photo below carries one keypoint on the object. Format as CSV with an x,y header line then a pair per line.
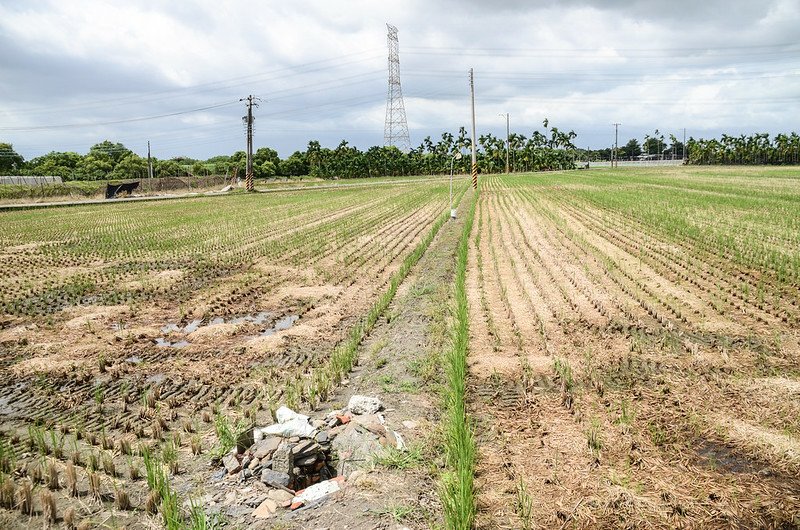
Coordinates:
x,y
140,325
634,356
631,336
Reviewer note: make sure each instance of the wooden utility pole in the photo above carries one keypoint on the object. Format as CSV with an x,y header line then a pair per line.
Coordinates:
x,y
251,102
474,152
615,155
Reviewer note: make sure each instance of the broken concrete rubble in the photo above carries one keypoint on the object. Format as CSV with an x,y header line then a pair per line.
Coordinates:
x,y
364,404
300,460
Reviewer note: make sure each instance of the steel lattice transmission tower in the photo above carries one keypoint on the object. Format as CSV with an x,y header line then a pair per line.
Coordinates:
x,y
395,130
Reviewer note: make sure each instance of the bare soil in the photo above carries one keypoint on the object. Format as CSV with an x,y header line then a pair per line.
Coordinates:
x,y
678,408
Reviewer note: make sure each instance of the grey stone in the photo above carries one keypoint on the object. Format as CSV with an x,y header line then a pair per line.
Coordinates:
x,y
283,460
235,511
322,437
266,447
255,501
275,478
309,447
253,464
306,460
280,496
364,404
355,448
231,464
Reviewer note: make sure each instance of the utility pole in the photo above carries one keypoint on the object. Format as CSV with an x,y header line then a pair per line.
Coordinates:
x,y
615,154
149,167
508,140
684,146
251,102
474,152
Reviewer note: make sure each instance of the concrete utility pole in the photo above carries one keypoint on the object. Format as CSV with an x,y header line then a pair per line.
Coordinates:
x,y
149,166
615,155
508,140
474,152
684,145
251,102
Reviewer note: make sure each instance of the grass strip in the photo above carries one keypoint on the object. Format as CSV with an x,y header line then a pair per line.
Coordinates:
x,y
457,488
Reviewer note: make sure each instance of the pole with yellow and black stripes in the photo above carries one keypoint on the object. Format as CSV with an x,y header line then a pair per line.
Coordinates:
x,y
474,152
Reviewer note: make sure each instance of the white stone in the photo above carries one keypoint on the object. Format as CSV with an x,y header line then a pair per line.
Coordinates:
x,y
364,405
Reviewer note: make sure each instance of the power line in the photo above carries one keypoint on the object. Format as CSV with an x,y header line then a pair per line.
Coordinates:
x,y
116,122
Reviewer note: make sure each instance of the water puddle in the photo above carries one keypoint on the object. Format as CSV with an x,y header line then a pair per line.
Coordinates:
x,y
258,319
156,379
193,325
167,344
280,325
7,407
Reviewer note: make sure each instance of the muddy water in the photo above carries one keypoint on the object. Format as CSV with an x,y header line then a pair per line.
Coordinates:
x,y
280,325
260,318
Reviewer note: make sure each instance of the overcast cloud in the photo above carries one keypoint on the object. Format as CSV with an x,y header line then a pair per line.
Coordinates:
x,y
95,67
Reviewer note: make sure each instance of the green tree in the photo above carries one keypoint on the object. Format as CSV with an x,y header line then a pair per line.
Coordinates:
x,y
265,154
11,162
63,164
95,167
115,151
294,166
631,149
264,170
168,168
131,167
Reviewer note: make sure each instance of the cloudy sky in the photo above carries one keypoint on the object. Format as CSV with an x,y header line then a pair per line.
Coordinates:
x,y
73,72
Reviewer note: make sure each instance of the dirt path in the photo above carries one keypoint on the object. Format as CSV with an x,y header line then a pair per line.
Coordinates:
x,y
399,363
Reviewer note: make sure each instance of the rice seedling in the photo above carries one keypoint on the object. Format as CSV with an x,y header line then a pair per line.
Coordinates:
x,y
71,479
121,499
8,490
94,485
48,503
52,476
25,497
523,506
108,465
69,518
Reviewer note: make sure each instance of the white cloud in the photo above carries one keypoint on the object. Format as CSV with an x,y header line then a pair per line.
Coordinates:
x,y
321,68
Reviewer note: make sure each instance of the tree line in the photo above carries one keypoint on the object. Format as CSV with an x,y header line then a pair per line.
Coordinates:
x,y
551,149
756,149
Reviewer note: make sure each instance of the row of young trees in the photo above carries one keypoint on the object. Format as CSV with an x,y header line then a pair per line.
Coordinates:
x,y
756,149
552,149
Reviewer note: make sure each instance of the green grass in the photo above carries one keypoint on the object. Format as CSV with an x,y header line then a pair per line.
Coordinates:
x,y
457,484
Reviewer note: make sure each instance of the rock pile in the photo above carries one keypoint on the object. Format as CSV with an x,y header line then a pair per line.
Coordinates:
x,y
300,460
